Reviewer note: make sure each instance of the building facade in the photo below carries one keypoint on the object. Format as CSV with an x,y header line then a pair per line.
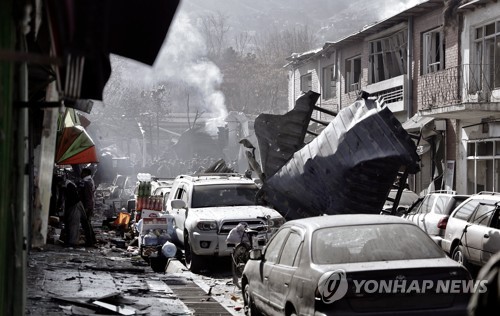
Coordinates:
x,y
474,107
434,65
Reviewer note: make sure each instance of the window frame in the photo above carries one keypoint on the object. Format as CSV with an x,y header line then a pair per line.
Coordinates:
x,y
352,70
329,81
387,57
432,51
306,82
297,249
485,56
483,159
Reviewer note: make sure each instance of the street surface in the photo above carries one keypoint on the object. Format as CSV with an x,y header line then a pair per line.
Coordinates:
x,y
111,280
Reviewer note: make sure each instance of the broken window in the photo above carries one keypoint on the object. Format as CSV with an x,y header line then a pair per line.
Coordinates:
x,y
387,57
486,58
353,74
329,82
306,82
432,51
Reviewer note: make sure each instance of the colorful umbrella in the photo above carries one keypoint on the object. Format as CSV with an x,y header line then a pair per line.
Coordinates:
x,y
75,147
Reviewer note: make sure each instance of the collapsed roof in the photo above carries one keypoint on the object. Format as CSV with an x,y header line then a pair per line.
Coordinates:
x,y
350,167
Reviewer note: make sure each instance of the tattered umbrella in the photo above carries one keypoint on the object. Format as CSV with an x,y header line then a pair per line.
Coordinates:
x,y
75,147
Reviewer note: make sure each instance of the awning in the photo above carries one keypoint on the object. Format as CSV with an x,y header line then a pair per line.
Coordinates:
x,y
417,122
424,125
75,147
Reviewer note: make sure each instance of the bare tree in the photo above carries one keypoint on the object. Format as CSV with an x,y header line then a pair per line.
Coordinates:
x,y
241,43
276,45
215,28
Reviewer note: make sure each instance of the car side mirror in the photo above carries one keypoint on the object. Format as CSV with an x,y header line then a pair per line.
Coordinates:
x,y
176,204
255,254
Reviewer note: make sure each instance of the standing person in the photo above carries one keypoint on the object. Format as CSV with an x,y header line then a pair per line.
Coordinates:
x,y
87,191
74,215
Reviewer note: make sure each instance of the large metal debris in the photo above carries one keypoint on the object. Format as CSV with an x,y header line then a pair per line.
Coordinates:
x,y
280,136
348,168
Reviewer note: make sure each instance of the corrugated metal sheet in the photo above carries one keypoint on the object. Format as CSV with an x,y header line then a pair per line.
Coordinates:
x,y
349,168
280,136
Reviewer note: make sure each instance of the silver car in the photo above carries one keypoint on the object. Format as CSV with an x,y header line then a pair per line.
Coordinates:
x,y
318,266
472,234
432,213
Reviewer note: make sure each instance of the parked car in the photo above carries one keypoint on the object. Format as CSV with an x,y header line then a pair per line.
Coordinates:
x,y
406,200
289,277
206,207
432,212
472,234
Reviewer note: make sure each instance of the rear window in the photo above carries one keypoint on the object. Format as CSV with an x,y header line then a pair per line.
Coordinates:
x,y
224,195
367,243
441,203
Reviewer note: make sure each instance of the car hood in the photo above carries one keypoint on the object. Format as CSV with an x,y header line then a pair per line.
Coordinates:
x,y
233,212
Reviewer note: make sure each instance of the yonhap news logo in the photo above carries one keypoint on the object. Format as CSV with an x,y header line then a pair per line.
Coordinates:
x,y
333,286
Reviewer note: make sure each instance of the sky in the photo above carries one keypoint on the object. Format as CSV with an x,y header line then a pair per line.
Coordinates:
x,y
183,55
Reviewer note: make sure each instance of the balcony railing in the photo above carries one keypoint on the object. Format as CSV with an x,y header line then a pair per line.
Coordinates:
x,y
470,83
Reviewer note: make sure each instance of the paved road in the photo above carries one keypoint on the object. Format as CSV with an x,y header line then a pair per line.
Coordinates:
x,y
83,281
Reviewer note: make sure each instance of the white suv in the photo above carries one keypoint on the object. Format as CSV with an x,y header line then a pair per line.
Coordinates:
x,y
472,234
206,207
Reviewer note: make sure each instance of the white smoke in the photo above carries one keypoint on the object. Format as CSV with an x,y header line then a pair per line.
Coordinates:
x,y
182,59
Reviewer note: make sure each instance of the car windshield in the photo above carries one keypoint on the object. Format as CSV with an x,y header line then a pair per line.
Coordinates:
x,y
367,243
224,195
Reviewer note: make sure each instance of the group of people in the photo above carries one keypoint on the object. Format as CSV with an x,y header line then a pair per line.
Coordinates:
x,y
78,209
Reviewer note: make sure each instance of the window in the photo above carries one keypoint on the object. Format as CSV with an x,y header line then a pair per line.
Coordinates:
x,y
387,57
441,203
329,82
486,58
290,250
274,247
353,74
466,210
224,195
306,82
483,166
432,51
427,204
483,214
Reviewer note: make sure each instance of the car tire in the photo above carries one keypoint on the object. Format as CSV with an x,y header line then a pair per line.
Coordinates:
x,y
249,306
193,261
458,255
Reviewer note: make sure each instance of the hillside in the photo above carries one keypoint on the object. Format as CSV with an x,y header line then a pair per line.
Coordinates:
x,y
329,20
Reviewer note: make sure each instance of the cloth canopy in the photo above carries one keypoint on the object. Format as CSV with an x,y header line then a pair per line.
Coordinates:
x,y
75,147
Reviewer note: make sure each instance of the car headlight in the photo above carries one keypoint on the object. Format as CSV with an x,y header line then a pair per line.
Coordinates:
x,y
207,225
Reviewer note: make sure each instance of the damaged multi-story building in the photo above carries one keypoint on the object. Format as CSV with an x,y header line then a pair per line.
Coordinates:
x,y
434,65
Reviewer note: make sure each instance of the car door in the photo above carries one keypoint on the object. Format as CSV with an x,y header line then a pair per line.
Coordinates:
x,y
412,214
491,240
272,251
424,210
280,279
179,215
477,231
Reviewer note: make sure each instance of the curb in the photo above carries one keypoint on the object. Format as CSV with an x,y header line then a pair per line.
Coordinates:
x,y
175,266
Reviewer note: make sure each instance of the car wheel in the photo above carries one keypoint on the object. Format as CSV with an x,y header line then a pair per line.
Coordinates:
x,y
249,306
458,255
193,261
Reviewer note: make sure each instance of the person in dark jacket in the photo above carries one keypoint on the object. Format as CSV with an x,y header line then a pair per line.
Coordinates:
x,y
87,191
74,216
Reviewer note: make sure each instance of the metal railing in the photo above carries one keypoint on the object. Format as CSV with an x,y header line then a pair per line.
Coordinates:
x,y
468,83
